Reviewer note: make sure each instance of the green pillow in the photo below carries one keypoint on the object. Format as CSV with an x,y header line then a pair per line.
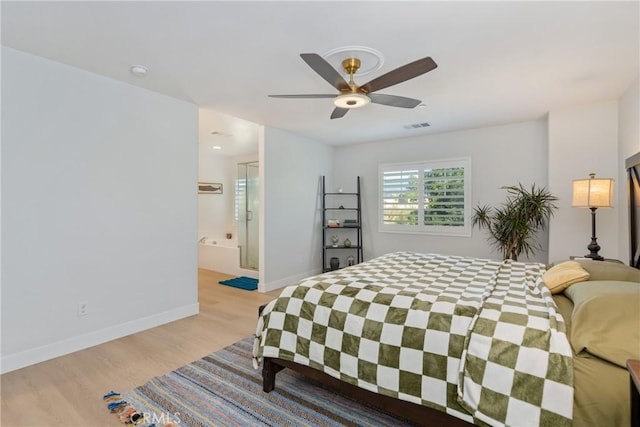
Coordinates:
x,y
605,270
606,320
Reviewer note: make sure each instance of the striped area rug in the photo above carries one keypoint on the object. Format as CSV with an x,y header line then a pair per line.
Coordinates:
x,y
223,389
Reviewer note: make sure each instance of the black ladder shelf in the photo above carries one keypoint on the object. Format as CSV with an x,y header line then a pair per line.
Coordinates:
x,y
342,219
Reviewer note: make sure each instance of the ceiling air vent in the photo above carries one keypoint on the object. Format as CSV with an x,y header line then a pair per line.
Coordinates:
x,y
417,126
216,133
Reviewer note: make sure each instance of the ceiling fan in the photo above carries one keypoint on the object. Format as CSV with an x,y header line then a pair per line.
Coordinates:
x,y
353,96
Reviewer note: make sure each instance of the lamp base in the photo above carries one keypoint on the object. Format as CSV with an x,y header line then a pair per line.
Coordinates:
x,y
594,247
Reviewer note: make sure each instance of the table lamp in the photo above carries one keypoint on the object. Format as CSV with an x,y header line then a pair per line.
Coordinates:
x,y
593,193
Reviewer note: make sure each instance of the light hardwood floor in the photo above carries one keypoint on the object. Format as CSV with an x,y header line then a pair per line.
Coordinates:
x,y
67,391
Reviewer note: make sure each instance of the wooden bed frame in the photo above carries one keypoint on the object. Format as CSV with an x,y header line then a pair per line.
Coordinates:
x,y
412,412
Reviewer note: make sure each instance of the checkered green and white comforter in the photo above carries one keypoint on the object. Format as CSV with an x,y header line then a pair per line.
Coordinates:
x,y
476,338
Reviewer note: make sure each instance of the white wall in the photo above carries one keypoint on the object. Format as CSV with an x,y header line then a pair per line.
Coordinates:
x,y
500,156
628,145
629,122
99,205
215,211
583,140
291,214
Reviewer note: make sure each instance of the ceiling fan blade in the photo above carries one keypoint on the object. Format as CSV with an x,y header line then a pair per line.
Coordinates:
x,y
339,112
326,71
393,100
399,75
303,96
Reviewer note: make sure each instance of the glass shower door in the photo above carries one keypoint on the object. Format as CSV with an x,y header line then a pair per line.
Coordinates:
x,y
248,207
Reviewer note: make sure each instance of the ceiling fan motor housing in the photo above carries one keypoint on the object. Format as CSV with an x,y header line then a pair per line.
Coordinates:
x,y
351,65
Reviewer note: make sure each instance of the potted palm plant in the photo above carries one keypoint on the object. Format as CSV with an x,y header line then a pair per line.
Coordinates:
x,y
513,226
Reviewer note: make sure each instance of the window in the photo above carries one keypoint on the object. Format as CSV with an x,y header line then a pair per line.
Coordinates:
x,y
427,197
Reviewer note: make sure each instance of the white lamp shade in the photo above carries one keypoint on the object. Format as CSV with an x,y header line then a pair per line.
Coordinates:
x,y
593,193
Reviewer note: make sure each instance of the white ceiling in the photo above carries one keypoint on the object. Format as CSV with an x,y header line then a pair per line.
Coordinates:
x,y
498,62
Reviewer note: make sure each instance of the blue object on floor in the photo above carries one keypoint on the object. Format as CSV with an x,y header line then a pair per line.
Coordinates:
x,y
241,282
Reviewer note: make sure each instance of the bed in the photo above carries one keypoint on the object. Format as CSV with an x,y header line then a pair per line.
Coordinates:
x,y
453,341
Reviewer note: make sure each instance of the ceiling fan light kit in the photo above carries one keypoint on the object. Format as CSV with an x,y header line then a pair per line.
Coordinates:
x,y
351,100
353,96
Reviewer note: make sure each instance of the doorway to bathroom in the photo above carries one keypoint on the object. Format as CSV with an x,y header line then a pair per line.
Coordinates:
x,y
228,226
247,211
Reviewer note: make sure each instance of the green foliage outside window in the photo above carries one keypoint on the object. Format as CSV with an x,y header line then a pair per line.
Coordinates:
x,y
443,199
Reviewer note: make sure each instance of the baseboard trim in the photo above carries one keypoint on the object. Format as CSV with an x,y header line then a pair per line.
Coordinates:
x,y
30,357
280,283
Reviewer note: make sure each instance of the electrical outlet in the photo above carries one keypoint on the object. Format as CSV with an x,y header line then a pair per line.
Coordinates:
x,y
83,308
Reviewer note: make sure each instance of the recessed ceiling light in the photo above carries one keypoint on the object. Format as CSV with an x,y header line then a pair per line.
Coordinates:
x,y
217,147
138,70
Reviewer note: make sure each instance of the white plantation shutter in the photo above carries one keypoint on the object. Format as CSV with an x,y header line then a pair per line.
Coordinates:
x,y
400,197
241,197
427,197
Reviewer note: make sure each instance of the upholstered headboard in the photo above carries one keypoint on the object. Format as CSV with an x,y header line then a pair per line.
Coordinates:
x,y
633,191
